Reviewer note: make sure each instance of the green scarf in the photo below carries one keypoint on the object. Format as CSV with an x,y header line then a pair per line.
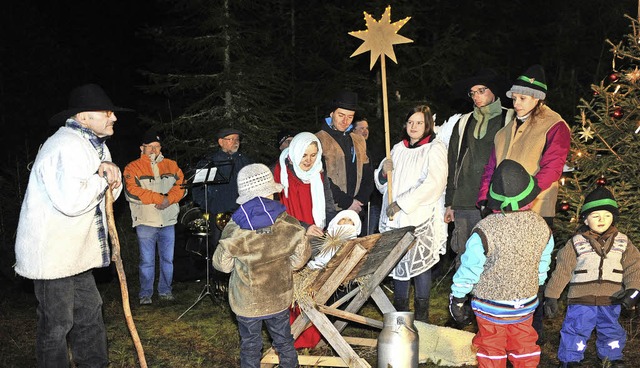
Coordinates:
x,y
483,115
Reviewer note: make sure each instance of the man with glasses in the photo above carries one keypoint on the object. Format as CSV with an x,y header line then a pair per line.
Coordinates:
x,y
223,191
62,232
153,188
469,149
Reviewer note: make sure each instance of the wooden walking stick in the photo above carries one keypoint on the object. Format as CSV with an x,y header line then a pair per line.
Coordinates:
x,y
115,257
379,38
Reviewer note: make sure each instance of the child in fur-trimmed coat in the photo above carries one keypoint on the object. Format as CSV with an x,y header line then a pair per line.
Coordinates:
x,y
261,246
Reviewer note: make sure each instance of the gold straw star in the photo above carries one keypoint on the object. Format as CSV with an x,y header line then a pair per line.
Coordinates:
x,y
380,36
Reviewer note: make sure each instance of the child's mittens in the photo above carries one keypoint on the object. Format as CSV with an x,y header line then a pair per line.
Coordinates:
x,y
460,310
630,298
550,307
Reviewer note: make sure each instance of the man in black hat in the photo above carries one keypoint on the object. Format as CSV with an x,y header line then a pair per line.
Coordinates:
x,y
345,155
469,149
506,259
223,191
62,231
153,188
284,139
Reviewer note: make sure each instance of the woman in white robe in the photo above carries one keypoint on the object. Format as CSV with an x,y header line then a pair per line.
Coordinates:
x,y
418,167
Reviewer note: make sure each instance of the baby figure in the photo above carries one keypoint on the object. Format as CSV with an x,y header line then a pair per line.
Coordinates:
x,y
346,225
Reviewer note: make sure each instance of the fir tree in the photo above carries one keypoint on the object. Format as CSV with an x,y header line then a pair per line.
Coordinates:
x,y
605,142
214,67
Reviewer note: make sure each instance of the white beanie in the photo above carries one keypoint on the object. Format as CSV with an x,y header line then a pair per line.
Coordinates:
x,y
256,180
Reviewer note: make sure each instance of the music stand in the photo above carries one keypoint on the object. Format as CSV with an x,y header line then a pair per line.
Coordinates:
x,y
205,176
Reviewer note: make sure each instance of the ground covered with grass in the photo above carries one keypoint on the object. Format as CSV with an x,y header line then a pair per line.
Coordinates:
x,y
206,335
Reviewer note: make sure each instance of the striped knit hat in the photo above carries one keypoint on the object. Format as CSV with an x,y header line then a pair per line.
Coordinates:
x,y
532,83
600,199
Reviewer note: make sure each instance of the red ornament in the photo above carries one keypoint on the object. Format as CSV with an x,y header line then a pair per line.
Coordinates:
x,y
596,93
564,206
614,77
617,113
602,181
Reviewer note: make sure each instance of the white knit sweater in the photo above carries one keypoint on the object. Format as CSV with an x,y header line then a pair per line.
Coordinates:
x,y
57,235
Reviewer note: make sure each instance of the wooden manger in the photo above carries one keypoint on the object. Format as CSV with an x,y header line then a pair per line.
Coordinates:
x,y
369,260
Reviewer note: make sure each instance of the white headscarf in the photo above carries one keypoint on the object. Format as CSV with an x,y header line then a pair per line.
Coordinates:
x,y
295,152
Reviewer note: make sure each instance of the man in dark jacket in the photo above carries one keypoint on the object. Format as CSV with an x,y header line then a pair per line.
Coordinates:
x,y
469,149
345,154
222,191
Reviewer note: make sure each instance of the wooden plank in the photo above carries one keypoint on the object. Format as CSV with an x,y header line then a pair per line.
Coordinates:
x,y
378,247
373,256
333,337
382,300
361,341
348,296
267,359
351,316
337,276
374,280
271,359
332,283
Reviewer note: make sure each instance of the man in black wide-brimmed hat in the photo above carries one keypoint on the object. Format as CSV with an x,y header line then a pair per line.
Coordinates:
x,y
469,149
345,155
62,231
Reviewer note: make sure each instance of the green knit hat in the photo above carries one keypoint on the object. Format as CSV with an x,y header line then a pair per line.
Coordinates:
x,y
511,187
600,199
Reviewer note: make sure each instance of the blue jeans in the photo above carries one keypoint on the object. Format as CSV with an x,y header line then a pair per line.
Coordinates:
x,y
148,238
250,329
422,287
70,307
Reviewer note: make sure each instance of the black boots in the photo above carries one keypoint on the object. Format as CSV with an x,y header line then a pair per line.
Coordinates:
x,y
401,305
421,306
422,310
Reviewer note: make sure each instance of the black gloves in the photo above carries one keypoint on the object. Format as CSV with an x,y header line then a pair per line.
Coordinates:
x,y
484,210
460,310
550,307
630,298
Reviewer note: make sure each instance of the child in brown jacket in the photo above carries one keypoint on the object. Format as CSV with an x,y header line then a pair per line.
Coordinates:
x,y
602,268
261,246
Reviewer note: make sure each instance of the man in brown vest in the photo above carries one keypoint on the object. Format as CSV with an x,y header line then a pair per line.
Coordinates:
x,y
345,154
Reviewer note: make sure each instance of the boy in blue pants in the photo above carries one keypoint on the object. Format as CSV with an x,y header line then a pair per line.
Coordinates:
x,y
602,268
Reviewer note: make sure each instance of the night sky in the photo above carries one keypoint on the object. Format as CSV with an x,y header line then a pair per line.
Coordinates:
x,y
48,47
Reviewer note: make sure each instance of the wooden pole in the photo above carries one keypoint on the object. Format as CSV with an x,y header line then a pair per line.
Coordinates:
x,y
385,113
115,257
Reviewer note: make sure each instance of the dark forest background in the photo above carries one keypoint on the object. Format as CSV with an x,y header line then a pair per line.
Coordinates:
x,y
191,67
